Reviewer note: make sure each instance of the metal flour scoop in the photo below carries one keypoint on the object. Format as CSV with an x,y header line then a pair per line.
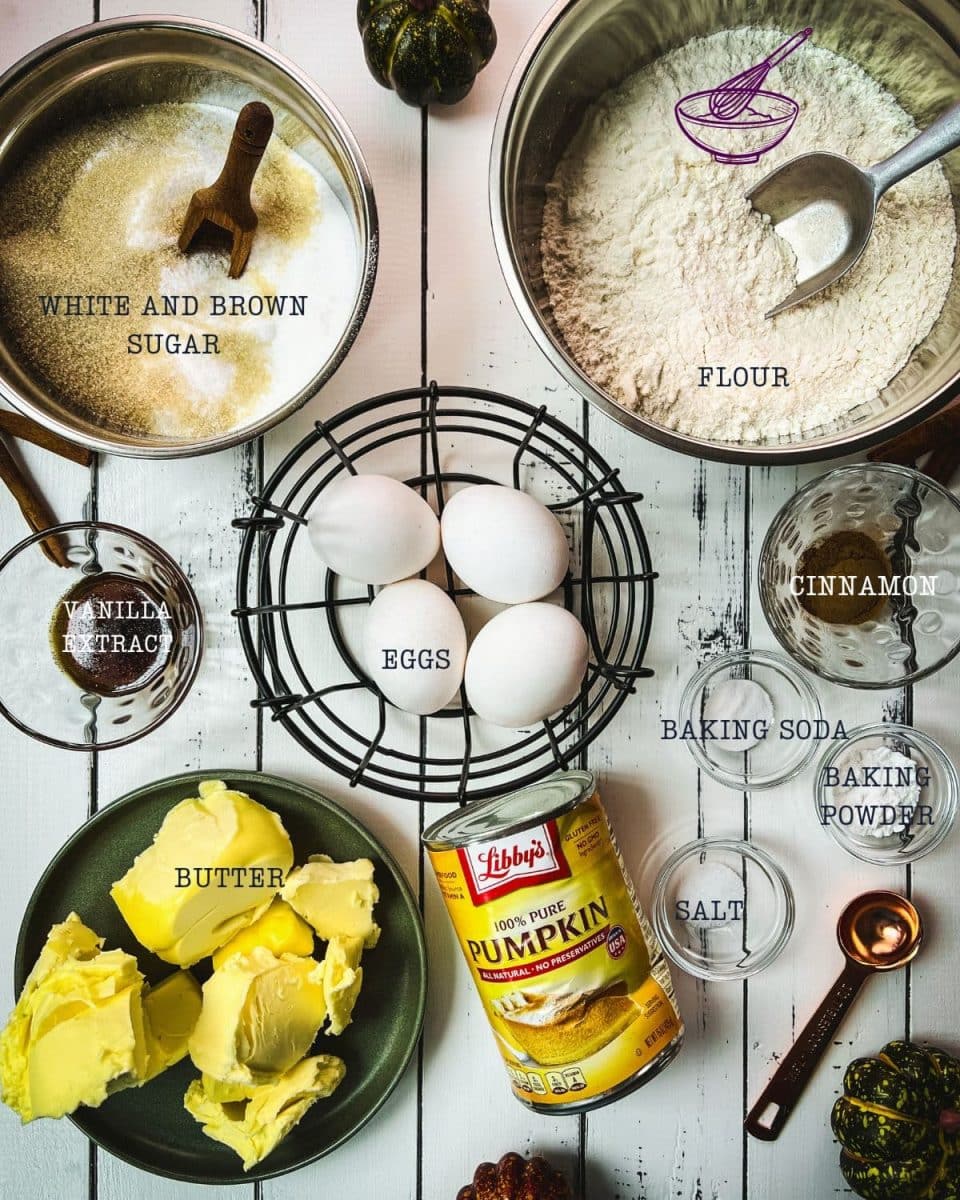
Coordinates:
x,y
823,205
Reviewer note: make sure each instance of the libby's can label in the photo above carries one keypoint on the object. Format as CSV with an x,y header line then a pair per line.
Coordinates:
x,y
572,978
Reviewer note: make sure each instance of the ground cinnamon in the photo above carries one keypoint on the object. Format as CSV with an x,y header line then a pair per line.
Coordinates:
x,y
841,579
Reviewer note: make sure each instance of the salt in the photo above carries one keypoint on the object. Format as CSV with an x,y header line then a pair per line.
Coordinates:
x,y
708,895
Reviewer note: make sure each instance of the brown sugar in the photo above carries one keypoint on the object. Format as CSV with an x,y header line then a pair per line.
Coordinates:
x,y
97,209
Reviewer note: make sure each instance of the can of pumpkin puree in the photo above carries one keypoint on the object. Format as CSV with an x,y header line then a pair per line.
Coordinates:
x,y
572,978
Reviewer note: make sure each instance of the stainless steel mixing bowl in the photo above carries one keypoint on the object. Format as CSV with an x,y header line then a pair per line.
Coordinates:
x,y
143,60
585,47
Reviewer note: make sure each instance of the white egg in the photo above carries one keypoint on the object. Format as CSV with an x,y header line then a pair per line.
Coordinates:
x,y
526,664
373,529
414,646
504,544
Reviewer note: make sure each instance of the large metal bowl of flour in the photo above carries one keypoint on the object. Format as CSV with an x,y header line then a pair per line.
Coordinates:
x,y
135,61
585,47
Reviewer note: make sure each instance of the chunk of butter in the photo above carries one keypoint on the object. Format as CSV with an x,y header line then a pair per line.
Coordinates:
x,y
342,977
171,1010
77,1032
254,1126
214,866
227,1093
279,929
260,1015
336,898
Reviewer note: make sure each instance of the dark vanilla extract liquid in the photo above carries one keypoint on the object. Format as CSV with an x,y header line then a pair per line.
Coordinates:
x,y
111,634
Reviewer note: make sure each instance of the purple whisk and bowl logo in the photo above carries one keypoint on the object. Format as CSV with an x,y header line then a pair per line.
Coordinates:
x,y
738,121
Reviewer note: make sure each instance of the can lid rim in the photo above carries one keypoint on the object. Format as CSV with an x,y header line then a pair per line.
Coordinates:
x,y
487,820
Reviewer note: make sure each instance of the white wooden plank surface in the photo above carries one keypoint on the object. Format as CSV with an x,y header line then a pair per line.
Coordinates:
x,y
324,41
216,729
681,1136
474,337
825,879
43,792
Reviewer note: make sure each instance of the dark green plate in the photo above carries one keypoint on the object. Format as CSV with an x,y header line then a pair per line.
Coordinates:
x,y
149,1126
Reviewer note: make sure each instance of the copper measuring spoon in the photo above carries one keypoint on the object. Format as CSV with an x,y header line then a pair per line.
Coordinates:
x,y
878,931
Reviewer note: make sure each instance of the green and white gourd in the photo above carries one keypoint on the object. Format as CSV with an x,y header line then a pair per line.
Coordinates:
x,y
898,1123
428,51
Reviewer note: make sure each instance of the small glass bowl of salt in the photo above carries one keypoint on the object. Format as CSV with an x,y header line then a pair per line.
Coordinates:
x,y
751,719
722,908
887,793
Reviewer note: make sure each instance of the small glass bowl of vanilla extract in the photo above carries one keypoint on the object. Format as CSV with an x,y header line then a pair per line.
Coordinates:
x,y
100,642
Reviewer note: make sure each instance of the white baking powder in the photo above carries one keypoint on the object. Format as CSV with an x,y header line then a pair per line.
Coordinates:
x,y
879,787
657,265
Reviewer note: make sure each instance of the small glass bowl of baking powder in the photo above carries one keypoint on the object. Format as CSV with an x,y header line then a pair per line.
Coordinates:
x,y
750,719
887,794
722,909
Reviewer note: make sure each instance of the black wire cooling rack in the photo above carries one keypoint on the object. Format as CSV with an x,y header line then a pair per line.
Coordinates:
x,y
307,671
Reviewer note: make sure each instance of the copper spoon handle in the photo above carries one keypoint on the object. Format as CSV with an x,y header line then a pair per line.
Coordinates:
x,y
783,1091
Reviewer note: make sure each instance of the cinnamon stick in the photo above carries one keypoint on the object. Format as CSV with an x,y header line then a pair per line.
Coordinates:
x,y
907,447
31,431
32,505
943,463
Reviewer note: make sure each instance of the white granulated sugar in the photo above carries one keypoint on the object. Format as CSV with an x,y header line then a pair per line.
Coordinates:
x,y
98,210
657,265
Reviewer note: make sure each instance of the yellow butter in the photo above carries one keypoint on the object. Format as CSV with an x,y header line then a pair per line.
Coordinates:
x,y
256,1126
77,1032
337,899
342,978
279,930
260,1015
171,1010
214,866
227,1093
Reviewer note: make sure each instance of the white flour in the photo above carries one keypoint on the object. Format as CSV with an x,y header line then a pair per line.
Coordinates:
x,y
657,266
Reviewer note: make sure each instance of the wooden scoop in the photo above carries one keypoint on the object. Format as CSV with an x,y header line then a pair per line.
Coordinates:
x,y
226,203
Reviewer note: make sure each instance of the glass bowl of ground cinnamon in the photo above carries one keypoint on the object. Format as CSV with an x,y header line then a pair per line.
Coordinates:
x,y
859,576
102,636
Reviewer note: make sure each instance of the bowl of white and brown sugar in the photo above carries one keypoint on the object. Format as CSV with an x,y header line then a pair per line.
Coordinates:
x,y
646,275
188,237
